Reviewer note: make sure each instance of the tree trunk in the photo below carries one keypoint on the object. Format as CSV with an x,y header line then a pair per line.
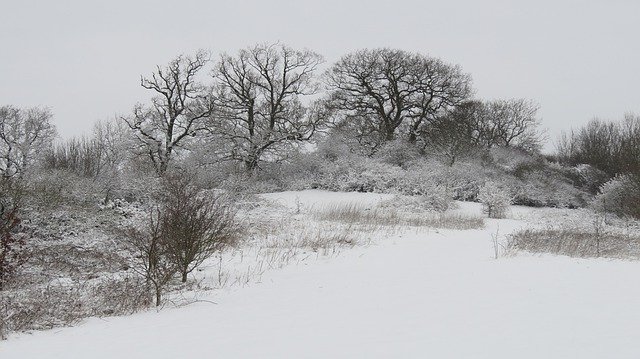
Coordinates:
x,y
389,134
251,163
412,137
184,276
158,297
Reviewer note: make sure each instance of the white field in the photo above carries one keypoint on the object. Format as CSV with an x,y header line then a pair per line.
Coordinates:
x,y
415,294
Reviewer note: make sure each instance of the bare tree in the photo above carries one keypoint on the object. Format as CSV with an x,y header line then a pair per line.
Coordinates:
x,y
196,225
386,91
25,134
261,93
176,112
511,123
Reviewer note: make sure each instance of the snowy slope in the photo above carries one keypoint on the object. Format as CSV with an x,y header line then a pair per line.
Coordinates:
x,y
430,294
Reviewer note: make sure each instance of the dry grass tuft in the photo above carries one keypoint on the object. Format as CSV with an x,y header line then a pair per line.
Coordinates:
x,y
576,243
354,214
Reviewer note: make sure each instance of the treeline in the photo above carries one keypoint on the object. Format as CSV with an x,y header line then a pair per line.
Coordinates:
x,y
262,103
269,103
237,114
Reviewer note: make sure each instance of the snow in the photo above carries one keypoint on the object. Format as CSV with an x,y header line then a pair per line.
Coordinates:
x,y
437,293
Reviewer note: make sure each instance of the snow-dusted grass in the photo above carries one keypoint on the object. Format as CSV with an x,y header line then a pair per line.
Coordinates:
x,y
412,294
577,242
354,213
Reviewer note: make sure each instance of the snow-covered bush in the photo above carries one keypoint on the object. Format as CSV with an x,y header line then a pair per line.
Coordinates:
x,y
511,159
543,189
620,196
439,199
461,180
495,200
398,153
587,177
359,174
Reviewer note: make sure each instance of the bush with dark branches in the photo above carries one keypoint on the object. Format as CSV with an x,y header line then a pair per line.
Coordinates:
x,y
195,225
185,229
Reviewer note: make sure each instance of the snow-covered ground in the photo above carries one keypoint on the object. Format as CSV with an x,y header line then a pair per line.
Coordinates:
x,y
415,294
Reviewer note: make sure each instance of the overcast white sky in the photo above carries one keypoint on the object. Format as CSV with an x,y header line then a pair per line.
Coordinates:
x,y
83,59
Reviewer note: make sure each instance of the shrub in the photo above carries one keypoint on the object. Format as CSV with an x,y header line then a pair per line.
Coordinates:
x,y
544,189
587,177
195,225
495,201
620,196
397,153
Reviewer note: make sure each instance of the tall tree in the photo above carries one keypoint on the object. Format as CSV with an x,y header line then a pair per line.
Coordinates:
x,y
260,101
176,112
387,91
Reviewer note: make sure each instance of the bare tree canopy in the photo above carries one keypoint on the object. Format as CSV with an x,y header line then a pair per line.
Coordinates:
x,y
475,125
176,112
511,123
260,98
386,91
24,135
455,134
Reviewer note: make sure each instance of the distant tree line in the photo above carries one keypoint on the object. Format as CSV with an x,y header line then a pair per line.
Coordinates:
x,y
613,147
267,100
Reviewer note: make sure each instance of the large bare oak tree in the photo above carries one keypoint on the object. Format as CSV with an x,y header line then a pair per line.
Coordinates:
x,y
384,92
176,112
260,101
